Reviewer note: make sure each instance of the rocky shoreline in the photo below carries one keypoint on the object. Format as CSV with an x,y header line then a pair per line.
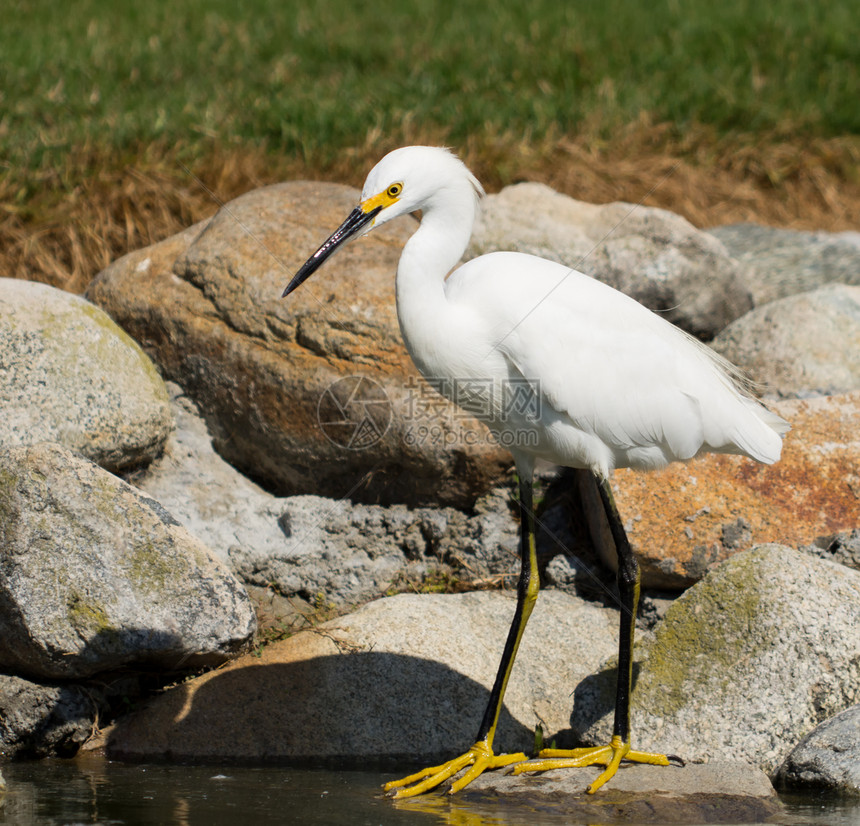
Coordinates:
x,y
182,488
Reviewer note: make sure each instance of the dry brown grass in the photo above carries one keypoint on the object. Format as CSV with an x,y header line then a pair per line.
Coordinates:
x,y
66,233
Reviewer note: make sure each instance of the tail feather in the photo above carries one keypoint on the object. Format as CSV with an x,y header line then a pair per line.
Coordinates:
x,y
761,433
762,441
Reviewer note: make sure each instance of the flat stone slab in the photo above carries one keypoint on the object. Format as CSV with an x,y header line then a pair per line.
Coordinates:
x,y
715,792
404,678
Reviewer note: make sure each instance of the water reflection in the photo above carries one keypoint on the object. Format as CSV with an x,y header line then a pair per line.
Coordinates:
x,y
91,790
94,791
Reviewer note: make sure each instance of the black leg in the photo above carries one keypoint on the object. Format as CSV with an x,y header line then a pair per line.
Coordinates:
x,y
628,591
480,756
619,748
527,591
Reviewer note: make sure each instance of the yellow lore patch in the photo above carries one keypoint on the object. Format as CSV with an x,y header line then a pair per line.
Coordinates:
x,y
385,198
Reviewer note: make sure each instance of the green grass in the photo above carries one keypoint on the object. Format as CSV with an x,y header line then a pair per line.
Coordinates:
x,y
315,78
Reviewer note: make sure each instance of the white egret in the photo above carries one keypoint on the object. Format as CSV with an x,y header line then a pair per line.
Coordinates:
x,y
610,384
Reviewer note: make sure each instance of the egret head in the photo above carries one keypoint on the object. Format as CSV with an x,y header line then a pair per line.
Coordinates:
x,y
405,180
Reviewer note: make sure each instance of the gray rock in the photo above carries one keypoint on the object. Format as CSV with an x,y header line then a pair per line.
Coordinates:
x,y
653,607
208,496
653,255
405,677
843,547
43,720
745,662
801,345
320,550
95,576
717,792
68,374
783,262
827,758
311,395
565,572
850,237
344,554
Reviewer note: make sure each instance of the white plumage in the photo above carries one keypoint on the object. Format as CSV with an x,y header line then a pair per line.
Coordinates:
x,y
608,384
619,386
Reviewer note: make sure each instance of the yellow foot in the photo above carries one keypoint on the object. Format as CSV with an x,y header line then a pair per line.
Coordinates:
x,y
609,756
480,757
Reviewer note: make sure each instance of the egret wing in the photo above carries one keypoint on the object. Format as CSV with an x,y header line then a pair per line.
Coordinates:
x,y
615,370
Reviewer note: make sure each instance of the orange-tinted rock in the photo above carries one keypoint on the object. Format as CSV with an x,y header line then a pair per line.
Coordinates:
x,y
685,518
206,305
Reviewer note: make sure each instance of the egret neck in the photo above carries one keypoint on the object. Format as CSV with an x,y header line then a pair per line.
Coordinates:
x,y
429,255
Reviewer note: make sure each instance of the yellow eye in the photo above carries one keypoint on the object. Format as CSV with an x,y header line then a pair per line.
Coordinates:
x,y
394,190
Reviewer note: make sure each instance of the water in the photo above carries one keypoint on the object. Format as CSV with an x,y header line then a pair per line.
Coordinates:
x,y
90,790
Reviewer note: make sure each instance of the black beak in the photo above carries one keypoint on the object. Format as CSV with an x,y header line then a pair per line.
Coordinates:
x,y
352,226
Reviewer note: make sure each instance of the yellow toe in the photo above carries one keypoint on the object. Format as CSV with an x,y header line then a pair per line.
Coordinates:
x,y
609,756
480,757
